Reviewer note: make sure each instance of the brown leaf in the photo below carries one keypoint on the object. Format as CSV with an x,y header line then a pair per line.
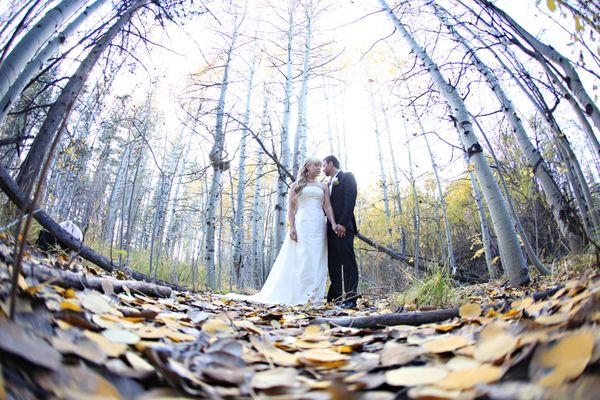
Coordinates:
x,y
23,343
395,353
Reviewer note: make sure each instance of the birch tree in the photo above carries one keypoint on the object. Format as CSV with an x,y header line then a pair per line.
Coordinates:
x,y
219,165
449,246
558,203
282,187
21,54
241,183
300,138
61,109
36,64
510,252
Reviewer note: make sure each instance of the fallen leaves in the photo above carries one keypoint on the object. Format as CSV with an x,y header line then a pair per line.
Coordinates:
x,y
554,363
125,344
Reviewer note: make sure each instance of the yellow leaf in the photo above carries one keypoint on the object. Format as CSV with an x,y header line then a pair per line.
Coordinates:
x,y
446,343
494,343
470,310
275,378
553,319
413,376
578,25
555,363
69,305
468,378
215,325
323,357
111,349
274,354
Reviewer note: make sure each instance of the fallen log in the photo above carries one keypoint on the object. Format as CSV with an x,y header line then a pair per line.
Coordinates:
x,y
405,318
16,195
81,280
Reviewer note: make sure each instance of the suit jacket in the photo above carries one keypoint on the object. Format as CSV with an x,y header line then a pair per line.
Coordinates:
x,y
343,200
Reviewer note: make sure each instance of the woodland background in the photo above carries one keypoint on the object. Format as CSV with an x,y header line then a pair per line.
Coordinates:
x,y
175,155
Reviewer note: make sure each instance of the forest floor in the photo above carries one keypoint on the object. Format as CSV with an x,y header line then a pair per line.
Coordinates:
x,y
121,341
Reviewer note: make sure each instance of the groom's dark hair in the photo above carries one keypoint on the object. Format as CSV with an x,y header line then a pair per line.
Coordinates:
x,y
332,159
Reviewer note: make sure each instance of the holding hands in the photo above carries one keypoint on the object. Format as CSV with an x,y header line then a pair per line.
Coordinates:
x,y
293,234
340,230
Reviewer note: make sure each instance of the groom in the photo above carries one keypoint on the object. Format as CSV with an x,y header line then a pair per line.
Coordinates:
x,y
341,260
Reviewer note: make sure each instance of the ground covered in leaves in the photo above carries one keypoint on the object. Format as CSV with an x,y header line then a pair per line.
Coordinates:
x,y
541,342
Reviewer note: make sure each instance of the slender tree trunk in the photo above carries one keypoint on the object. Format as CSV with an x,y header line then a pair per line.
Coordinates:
x,y
510,251
572,80
62,106
486,239
416,215
382,173
17,59
300,138
218,165
449,246
558,204
396,181
282,187
37,63
238,260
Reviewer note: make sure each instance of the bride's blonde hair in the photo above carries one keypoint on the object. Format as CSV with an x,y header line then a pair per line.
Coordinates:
x,y
302,179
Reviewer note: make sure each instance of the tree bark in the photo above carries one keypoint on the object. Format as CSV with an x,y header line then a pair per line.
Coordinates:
x,y
37,63
16,195
63,105
510,251
558,204
414,318
218,165
21,54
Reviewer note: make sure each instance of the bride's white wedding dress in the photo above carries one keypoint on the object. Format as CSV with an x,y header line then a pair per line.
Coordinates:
x,y
299,273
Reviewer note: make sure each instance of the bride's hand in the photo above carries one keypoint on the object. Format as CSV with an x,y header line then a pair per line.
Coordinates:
x,y
293,234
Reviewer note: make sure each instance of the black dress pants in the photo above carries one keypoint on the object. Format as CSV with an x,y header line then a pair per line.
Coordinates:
x,y
340,255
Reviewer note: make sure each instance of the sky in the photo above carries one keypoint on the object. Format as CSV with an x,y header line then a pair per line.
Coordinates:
x,y
350,30
354,30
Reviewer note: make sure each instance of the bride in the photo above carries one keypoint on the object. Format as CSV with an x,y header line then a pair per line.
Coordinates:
x,y
299,273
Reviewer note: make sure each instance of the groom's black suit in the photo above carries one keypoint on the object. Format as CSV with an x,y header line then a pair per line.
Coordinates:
x,y
341,250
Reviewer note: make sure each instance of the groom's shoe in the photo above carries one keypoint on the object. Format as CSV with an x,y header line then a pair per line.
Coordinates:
x,y
349,304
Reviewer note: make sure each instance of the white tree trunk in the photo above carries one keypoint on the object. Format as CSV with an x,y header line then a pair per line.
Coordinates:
x,y
382,173
37,63
572,80
252,274
510,251
300,138
282,187
241,183
15,61
218,166
396,181
485,230
416,213
449,246
558,204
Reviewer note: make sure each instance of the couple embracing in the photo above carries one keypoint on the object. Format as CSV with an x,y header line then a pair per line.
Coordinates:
x,y
320,239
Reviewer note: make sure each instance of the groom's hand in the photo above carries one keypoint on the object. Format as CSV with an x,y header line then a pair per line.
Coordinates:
x,y
341,230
